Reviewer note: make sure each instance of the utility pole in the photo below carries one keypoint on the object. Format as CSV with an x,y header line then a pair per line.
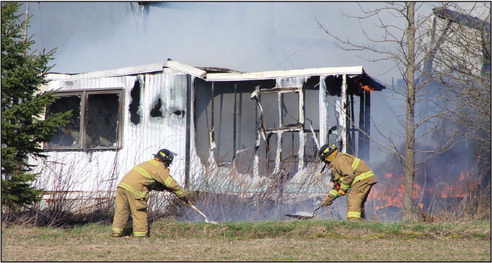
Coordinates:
x,y
26,17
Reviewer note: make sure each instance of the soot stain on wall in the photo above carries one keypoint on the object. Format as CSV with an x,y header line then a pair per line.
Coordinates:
x,y
156,111
135,103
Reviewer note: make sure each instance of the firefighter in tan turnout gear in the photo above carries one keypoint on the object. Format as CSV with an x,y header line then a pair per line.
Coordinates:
x,y
133,191
350,176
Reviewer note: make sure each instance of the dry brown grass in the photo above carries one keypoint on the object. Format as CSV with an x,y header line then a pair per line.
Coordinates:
x,y
274,241
270,249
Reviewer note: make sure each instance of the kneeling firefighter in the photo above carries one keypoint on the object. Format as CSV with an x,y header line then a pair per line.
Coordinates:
x,y
350,176
133,191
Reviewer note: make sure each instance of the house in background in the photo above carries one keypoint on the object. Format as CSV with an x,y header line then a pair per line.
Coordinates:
x,y
259,128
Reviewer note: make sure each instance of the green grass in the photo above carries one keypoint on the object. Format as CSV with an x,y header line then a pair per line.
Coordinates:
x,y
321,229
299,229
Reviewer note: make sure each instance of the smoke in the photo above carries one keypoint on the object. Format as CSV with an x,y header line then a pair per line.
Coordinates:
x,y
446,177
259,36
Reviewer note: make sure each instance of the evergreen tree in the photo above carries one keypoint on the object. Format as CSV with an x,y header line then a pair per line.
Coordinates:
x,y
24,128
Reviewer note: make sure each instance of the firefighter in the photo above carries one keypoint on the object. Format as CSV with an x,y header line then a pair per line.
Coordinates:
x,y
133,191
350,176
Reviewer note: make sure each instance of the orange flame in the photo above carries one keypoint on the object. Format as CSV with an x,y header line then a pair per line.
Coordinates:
x,y
390,193
460,187
366,87
391,190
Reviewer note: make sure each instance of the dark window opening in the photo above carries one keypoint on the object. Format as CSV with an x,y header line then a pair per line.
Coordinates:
x,y
333,85
156,109
290,108
311,150
95,120
135,103
102,120
269,102
67,136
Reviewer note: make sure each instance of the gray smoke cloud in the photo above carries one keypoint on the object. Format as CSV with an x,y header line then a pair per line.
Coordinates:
x,y
244,36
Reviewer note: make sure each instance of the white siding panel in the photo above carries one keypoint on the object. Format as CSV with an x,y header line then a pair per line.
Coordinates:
x,y
101,170
153,133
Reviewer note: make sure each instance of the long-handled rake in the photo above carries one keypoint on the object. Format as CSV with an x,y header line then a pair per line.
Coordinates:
x,y
200,212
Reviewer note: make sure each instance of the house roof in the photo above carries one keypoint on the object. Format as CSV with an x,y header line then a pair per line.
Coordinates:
x,y
156,67
245,76
220,74
231,75
358,70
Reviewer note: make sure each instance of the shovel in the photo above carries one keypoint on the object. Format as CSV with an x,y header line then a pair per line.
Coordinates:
x,y
304,215
200,212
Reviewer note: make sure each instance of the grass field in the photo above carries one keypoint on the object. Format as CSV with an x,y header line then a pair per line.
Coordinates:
x,y
296,240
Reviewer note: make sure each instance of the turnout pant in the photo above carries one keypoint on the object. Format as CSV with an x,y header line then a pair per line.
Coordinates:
x,y
126,204
356,199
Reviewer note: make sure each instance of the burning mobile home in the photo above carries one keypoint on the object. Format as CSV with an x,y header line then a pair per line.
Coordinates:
x,y
263,126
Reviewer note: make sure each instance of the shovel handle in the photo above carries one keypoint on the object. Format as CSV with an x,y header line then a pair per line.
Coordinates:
x,y
317,208
197,210
202,214
322,169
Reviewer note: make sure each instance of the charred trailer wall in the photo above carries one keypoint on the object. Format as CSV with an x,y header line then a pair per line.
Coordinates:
x,y
151,114
225,123
260,128
345,116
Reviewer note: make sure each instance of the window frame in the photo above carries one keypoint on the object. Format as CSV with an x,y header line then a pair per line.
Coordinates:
x,y
84,96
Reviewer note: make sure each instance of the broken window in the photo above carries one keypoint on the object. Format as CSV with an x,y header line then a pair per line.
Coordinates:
x,y
102,120
290,109
67,136
94,123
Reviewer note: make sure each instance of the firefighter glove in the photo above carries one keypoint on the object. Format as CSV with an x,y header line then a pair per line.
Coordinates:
x,y
341,192
328,201
186,197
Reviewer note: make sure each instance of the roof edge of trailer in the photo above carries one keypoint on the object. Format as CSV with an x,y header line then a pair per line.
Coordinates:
x,y
355,70
194,71
232,75
221,74
155,67
212,74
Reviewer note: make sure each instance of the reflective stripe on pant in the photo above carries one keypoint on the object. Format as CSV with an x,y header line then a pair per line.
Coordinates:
x,y
356,199
127,203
